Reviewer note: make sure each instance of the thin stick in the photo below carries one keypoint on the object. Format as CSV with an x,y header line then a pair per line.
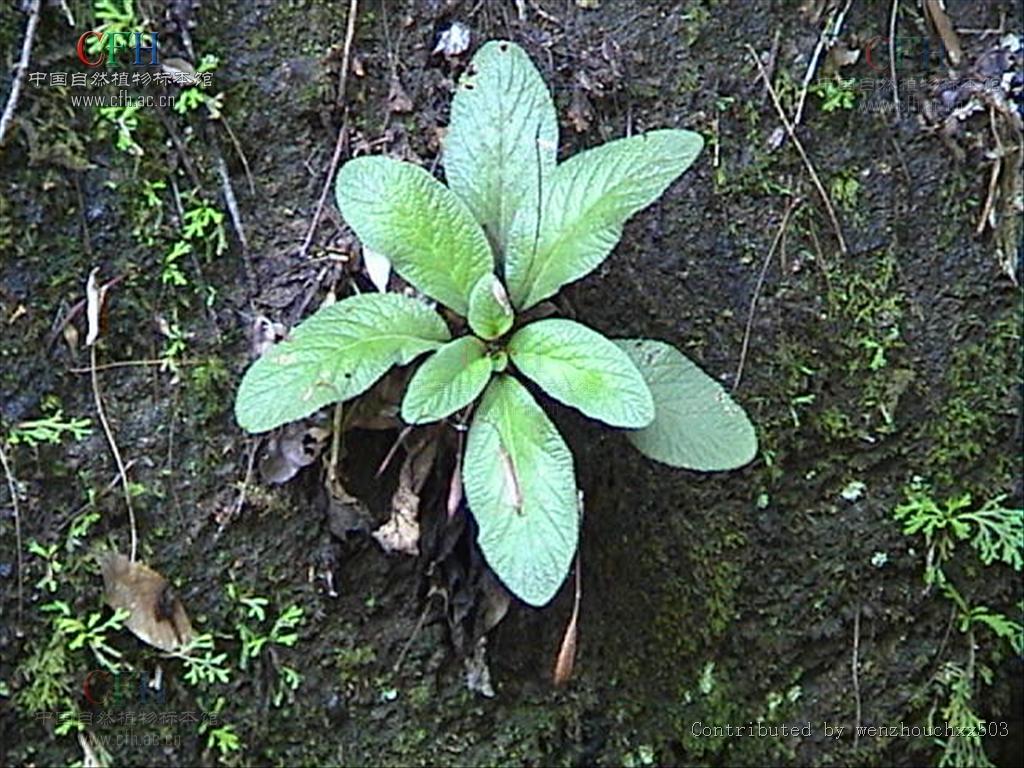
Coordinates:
x,y
121,470
244,490
854,668
836,23
12,486
91,503
350,32
241,154
993,181
803,154
892,56
415,633
757,290
566,659
20,70
133,364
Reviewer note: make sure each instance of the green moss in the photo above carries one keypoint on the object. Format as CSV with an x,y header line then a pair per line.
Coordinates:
x,y
714,700
972,425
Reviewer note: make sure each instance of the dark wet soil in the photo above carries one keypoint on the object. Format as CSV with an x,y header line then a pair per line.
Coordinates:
x,y
707,600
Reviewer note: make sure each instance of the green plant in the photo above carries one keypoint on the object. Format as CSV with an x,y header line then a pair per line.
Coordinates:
x,y
54,566
835,93
46,673
220,736
51,429
997,533
283,632
192,98
508,210
90,633
209,668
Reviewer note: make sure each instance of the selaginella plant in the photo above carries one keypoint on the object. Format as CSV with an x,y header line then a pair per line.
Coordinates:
x,y
510,229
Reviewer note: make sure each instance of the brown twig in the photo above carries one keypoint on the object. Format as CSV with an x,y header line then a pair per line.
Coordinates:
x,y
339,145
231,201
855,673
122,471
66,520
415,631
243,492
21,69
12,486
993,181
894,11
240,152
835,23
134,364
803,154
565,662
76,309
757,289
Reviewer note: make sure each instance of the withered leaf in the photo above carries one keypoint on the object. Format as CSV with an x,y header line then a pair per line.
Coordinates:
x,y
566,660
580,111
453,41
93,307
379,408
290,449
156,615
401,533
495,602
936,13
264,334
478,674
398,100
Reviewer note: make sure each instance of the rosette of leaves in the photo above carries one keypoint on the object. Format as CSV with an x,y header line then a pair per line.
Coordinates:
x,y
511,228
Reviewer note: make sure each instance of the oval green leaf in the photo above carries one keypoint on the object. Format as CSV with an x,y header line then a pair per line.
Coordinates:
x,y
581,368
335,354
404,213
450,379
503,137
696,424
521,488
588,200
490,312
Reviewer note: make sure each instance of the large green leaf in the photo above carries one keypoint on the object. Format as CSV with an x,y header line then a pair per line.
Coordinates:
x,y
490,313
335,354
581,368
503,137
448,380
588,200
696,424
521,488
401,211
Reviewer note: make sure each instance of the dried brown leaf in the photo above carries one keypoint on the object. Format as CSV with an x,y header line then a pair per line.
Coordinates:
x,y
379,408
93,307
291,448
401,533
580,111
398,100
156,615
495,603
566,654
478,674
264,334
936,12
566,660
